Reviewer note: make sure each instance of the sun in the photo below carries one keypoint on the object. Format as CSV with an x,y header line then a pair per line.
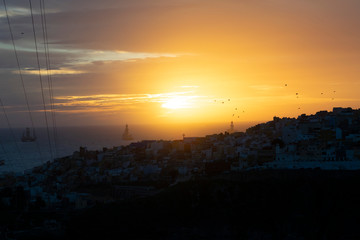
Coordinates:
x,y
177,102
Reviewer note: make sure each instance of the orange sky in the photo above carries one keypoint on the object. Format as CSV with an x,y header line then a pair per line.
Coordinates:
x,y
163,61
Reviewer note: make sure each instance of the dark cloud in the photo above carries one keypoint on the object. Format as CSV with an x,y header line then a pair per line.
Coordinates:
x,y
157,26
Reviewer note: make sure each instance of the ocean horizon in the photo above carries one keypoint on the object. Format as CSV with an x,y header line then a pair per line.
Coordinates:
x,y
19,156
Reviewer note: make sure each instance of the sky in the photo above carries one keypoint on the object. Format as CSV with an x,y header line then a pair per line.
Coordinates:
x,y
114,62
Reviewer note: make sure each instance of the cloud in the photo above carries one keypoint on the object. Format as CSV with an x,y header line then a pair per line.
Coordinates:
x,y
89,56
15,11
63,71
115,102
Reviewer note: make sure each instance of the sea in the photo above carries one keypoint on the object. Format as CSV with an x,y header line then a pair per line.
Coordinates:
x,y
17,156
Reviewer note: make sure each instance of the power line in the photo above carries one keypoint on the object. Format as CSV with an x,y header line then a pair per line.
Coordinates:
x,y
21,77
41,84
51,82
48,70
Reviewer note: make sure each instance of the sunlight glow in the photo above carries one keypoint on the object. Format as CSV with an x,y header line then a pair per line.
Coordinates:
x,y
177,103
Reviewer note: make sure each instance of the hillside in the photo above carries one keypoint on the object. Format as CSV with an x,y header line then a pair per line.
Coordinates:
x,y
287,204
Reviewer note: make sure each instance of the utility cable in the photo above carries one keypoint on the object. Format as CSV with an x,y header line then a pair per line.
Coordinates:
x,y
48,70
21,78
41,84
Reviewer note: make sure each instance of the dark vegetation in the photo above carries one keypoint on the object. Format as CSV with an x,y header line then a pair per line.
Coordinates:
x,y
299,204
270,204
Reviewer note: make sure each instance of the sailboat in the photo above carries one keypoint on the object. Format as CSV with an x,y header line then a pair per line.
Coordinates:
x,y
126,135
26,137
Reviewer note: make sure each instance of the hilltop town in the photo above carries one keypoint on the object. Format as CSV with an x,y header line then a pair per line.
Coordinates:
x,y
325,140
